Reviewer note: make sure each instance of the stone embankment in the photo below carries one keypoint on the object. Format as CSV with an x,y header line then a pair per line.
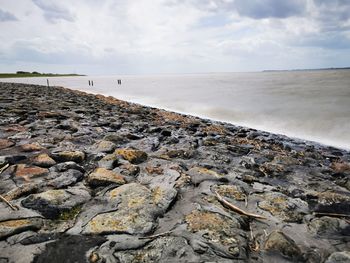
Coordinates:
x,y
87,178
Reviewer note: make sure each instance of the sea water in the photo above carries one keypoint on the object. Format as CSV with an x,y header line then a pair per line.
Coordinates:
x,y
311,105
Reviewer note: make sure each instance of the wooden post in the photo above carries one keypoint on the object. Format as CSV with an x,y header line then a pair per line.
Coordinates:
x,y
48,84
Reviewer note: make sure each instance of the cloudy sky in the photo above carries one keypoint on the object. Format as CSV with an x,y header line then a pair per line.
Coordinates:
x,y
172,36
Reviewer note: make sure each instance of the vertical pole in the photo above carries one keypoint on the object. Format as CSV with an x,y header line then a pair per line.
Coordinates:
x,y
48,84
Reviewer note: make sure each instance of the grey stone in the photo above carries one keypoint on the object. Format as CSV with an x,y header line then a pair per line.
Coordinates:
x,y
102,177
66,156
200,174
62,167
52,202
67,178
280,242
284,207
136,214
164,249
109,161
43,160
339,257
15,226
104,146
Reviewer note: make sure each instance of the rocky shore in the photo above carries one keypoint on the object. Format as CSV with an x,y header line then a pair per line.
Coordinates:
x,y
86,178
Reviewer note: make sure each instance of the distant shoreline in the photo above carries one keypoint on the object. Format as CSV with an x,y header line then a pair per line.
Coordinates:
x,y
29,75
314,69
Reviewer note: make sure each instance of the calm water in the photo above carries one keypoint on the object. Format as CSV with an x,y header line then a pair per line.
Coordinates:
x,y
312,105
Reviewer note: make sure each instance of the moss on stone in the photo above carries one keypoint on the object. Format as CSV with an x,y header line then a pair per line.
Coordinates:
x,y
70,214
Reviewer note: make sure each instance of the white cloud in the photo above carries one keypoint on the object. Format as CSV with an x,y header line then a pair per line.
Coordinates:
x,y
144,36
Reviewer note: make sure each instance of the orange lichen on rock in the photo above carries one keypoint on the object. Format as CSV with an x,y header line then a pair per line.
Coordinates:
x,y
133,156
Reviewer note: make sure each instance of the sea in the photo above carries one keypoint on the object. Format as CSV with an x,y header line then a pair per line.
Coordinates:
x,y
310,105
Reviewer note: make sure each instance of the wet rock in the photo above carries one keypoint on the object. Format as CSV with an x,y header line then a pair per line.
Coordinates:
x,y
136,214
67,178
327,226
11,159
62,167
109,161
128,169
202,220
4,143
272,169
200,174
287,209
52,202
148,144
21,191
27,173
339,257
51,114
30,238
231,191
31,147
102,177
21,136
43,160
68,126
77,246
332,202
164,249
180,153
132,136
17,238
240,150
165,133
216,228
15,128
133,156
66,156
117,139
279,242
104,146
12,227
118,243
341,167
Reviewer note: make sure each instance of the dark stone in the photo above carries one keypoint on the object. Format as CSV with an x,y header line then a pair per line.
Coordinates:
x,y
69,249
166,133
66,178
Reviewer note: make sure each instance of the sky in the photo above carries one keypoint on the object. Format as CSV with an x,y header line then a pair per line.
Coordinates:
x,y
107,37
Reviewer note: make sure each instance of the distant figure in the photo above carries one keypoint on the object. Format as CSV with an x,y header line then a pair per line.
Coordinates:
x,y
92,83
89,82
119,81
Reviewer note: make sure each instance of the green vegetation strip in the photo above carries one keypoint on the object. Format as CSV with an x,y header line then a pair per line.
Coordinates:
x,y
28,74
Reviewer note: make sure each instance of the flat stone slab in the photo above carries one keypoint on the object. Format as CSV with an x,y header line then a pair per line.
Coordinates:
x,y
15,226
133,156
102,176
66,156
52,202
137,211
